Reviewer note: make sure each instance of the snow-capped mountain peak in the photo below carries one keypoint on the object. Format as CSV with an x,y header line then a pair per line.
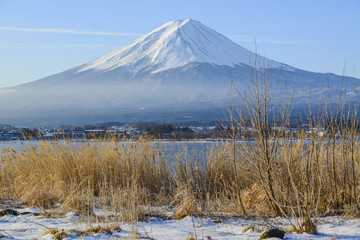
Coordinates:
x,y
179,70
175,44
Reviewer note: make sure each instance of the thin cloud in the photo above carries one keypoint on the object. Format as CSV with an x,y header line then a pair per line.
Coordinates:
x,y
56,45
68,31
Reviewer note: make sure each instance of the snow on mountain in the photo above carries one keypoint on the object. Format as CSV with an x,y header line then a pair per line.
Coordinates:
x,y
173,45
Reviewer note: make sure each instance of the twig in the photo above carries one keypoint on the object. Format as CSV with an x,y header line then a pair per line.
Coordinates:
x,y
7,233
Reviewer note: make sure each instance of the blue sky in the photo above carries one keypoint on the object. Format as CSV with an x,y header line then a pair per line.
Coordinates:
x,y
41,37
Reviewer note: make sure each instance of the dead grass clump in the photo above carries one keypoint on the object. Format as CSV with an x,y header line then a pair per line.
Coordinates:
x,y
135,234
186,203
309,226
51,230
251,229
81,206
39,199
190,237
255,199
351,214
96,230
114,228
61,234
306,226
58,234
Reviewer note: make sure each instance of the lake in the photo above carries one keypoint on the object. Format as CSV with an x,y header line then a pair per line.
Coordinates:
x,y
195,149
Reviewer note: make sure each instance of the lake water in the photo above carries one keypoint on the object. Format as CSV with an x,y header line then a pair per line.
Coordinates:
x,y
17,145
194,149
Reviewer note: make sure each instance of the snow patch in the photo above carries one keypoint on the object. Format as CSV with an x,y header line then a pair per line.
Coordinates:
x,y
34,227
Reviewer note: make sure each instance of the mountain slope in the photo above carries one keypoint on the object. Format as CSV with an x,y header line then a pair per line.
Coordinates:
x,y
172,46
180,70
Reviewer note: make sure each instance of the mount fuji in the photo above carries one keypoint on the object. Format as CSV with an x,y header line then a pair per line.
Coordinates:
x,y
179,71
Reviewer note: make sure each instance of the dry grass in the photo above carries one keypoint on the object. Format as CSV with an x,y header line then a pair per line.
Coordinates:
x,y
100,229
61,234
252,229
255,200
186,203
121,178
122,175
58,234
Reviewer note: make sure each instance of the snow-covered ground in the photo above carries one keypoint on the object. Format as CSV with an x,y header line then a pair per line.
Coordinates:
x,y
34,226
